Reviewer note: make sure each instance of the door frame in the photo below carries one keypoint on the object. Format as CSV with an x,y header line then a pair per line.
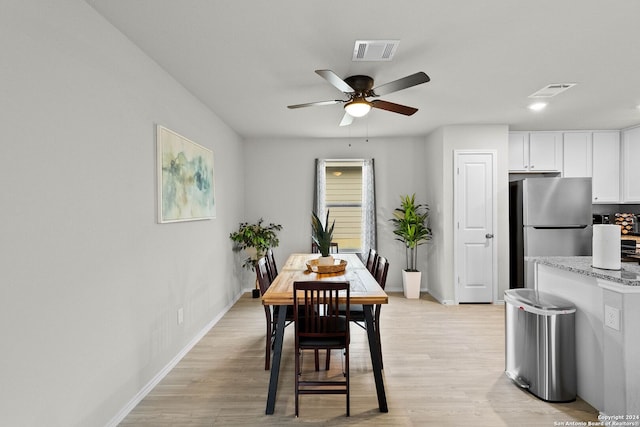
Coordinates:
x,y
496,236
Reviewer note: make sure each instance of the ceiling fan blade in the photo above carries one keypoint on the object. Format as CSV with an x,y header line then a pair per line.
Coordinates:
x,y
396,108
403,83
347,119
336,81
315,104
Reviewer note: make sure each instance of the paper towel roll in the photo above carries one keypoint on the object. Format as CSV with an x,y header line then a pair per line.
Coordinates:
x,y
606,246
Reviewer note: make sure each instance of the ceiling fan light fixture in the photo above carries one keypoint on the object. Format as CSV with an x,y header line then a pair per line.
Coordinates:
x,y
358,107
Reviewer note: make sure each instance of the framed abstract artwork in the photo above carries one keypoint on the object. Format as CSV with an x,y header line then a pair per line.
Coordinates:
x,y
185,178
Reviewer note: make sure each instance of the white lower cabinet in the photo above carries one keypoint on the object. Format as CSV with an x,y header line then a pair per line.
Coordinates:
x,y
631,165
606,167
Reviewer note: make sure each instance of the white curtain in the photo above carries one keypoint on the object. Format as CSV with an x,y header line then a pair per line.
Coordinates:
x,y
321,184
368,207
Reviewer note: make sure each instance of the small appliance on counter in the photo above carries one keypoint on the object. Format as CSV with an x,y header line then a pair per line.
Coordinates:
x,y
606,246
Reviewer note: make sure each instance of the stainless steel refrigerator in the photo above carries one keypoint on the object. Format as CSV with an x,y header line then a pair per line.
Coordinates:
x,y
547,217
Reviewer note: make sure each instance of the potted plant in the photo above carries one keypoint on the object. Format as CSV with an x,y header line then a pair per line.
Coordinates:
x,y
322,236
255,240
410,227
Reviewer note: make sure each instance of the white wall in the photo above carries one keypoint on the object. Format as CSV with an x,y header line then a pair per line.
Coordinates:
x,y
439,159
280,178
90,282
439,255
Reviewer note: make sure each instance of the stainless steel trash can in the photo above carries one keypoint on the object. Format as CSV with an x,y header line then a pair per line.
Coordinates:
x,y
540,346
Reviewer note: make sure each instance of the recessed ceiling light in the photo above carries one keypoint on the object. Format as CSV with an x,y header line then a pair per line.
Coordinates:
x,y
537,106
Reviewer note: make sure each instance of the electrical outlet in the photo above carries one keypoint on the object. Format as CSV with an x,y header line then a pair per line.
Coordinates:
x,y
180,316
612,317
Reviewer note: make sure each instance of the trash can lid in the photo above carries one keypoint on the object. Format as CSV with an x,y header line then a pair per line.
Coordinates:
x,y
537,299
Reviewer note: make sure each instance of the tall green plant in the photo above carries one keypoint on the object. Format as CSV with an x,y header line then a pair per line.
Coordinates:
x,y
322,235
410,227
257,236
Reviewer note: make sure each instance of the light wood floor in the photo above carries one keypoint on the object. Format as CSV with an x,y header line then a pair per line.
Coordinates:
x,y
443,366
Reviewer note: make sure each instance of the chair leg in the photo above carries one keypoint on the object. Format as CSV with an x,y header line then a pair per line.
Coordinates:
x,y
297,381
328,360
267,352
346,362
317,355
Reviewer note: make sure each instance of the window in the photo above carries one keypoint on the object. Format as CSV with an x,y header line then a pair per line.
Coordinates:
x,y
346,189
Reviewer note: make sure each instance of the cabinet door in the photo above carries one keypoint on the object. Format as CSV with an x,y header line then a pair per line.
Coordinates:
x,y
545,151
630,169
519,151
606,167
576,154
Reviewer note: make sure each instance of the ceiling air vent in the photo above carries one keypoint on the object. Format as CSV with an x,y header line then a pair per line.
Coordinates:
x,y
552,90
375,50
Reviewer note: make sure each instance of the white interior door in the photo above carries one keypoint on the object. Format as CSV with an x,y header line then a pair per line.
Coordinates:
x,y
475,261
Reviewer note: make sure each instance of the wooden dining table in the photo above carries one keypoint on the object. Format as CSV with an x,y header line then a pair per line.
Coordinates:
x,y
363,290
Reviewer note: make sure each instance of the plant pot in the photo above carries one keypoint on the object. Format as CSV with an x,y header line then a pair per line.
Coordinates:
x,y
411,283
251,252
325,260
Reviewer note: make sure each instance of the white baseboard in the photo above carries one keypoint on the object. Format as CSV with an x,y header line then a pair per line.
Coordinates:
x,y
122,413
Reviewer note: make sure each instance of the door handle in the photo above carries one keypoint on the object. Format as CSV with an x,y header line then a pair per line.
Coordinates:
x,y
489,236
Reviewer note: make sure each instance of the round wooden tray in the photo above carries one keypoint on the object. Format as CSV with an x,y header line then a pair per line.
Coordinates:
x,y
312,265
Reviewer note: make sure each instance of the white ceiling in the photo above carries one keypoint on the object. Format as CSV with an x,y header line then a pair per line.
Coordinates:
x,y
248,59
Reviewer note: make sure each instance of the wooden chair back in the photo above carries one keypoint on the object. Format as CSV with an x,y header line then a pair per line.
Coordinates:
x,y
334,249
372,260
262,275
317,315
271,264
382,268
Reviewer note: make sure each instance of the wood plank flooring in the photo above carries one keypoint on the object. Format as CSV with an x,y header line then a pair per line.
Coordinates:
x,y
443,366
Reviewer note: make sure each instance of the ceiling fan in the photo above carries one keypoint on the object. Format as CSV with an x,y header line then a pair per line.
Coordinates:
x,y
359,88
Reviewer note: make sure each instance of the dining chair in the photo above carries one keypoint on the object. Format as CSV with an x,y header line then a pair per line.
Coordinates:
x,y
333,248
271,264
372,259
264,281
320,325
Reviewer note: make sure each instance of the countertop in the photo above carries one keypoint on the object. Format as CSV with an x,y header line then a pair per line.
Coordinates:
x,y
629,275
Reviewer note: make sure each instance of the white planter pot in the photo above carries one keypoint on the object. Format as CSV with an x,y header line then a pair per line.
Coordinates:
x,y
325,260
411,283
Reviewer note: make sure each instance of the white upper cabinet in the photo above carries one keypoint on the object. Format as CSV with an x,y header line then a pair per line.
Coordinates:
x,y
576,157
545,151
535,151
630,165
519,151
606,167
